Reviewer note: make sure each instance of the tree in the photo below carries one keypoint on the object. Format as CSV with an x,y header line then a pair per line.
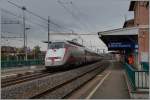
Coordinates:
x,y
36,51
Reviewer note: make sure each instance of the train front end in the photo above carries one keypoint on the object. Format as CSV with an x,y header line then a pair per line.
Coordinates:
x,y
55,55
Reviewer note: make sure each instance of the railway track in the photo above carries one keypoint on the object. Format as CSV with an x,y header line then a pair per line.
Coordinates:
x,y
46,93
27,76
23,78
67,84
50,85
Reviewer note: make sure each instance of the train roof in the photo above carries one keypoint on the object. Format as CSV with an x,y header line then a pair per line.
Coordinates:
x,y
54,41
65,41
71,42
75,43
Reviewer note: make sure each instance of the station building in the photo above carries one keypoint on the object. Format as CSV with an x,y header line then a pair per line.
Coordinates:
x,y
133,38
141,20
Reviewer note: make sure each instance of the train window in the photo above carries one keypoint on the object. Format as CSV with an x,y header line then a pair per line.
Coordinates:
x,y
56,45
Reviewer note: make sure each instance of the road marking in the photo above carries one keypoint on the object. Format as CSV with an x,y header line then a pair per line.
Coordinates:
x,y
100,83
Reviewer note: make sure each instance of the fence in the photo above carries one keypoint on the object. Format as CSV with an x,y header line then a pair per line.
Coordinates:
x,y
138,79
14,63
145,65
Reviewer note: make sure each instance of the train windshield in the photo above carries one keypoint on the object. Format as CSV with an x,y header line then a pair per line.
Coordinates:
x,y
56,45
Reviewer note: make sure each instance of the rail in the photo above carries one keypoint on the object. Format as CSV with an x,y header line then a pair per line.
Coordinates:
x,y
55,86
145,65
24,78
14,63
138,79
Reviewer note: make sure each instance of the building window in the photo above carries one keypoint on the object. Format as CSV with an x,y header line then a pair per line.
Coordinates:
x,y
147,4
141,3
144,4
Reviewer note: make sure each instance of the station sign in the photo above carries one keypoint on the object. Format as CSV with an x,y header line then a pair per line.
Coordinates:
x,y
122,45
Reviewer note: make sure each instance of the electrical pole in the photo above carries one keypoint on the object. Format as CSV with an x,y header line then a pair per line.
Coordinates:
x,y
27,28
91,45
24,32
82,41
48,31
103,51
125,17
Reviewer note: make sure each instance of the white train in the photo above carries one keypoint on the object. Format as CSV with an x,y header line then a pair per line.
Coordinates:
x,y
67,54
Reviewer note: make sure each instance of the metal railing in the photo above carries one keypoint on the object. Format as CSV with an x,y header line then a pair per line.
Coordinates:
x,y
145,65
138,79
142,79
14,63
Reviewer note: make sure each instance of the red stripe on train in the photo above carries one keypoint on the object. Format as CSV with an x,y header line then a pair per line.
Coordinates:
x,y
66,50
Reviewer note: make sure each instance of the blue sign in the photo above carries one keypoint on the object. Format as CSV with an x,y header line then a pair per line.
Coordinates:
x,y
122,45
136,46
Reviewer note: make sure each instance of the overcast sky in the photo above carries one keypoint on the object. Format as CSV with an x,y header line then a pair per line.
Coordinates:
x,y
81,16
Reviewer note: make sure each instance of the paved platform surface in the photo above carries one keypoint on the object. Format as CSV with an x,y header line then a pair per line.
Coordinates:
x,y
110,84
114,86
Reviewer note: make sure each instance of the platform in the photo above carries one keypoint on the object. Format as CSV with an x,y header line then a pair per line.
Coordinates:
x,y
110,84
114,85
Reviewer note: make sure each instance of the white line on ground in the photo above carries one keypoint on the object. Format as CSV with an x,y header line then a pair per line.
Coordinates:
x,y
100,83
99,75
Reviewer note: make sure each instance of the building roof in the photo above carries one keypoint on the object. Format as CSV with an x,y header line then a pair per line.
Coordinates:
x,y
129,23
63,33
8,49
121,39
132,4
120,31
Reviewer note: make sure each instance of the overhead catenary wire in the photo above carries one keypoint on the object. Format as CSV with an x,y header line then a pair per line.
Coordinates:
x,y
10,37
6,11
28,21
69,11
20,17
37,24
27,10
34,14
72,14
7,19
80,14
54,25
75,16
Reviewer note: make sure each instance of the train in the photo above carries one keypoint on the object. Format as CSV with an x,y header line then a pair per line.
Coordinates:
x,y
61,54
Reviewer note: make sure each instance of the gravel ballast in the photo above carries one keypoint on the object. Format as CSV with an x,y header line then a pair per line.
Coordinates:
x,y
35,87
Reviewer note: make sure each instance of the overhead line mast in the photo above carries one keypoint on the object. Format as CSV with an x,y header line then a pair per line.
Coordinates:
x,y
48,32
48,21
24,9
